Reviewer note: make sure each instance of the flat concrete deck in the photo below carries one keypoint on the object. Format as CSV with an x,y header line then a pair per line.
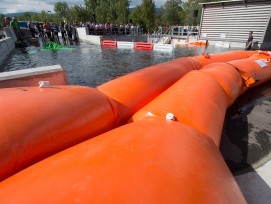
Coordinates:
x,y
246,143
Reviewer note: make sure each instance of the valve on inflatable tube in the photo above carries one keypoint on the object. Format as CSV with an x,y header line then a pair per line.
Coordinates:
x,y
266,53
206,55
44,84
170,116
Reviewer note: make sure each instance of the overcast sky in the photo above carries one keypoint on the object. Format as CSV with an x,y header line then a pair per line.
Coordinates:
x,y
14,6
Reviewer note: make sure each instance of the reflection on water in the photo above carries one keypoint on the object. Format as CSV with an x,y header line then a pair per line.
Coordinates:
x,y
91,65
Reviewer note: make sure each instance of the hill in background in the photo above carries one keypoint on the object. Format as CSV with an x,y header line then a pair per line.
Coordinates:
x,y
22,13
18,14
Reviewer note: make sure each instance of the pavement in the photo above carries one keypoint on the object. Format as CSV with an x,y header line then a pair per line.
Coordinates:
x,y
246,143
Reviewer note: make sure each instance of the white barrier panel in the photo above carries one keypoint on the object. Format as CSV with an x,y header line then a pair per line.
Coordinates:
x,y
222,44
163,47
6,46
10,33
83,35
125,45
31,77
10,44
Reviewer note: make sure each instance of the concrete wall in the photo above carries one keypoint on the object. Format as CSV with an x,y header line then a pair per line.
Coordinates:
x,y
83,35
10,33
127,38
6,46
228,22
30,77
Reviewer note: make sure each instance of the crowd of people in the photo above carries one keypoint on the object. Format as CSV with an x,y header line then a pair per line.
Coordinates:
x,y
45,30
112,29
50,30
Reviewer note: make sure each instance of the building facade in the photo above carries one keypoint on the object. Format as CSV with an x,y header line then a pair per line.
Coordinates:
x,y
228,22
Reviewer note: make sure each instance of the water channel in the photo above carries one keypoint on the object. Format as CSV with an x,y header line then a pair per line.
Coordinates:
x,y
91,65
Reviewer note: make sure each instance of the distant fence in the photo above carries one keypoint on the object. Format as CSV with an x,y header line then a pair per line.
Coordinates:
x,y
116,30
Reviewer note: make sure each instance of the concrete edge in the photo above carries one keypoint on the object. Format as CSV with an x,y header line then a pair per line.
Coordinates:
x,y
30,72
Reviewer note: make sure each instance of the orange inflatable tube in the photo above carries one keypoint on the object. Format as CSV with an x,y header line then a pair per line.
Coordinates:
x,y
130,93
198,43
149,161
149,155
200,98
133,91
206,58
38,122
254,69
196,100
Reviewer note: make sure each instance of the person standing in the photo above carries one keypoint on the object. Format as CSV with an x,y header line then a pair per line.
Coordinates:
x,y
6,22
31,28
249,41
14,25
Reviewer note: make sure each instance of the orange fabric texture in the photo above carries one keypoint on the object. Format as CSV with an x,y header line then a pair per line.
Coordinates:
x,y
224,57
38,122
151,161
200,98
132,91
109,43
143,46
257,69
196,100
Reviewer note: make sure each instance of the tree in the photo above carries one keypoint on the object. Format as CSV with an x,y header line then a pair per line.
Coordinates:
x,y
171,12
61,9
36,17
1,20
136,16
44,16
26,16
91,6
148,14
79,14
122,11
188,10
102,11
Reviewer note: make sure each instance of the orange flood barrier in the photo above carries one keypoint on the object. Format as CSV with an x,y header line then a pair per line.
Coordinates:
x,y
143,46
109,43
198,43
206,58
151,161
128,93
200,98
37,122
133,91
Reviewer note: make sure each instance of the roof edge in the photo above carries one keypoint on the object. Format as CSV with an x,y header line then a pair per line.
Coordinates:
x,y
233,1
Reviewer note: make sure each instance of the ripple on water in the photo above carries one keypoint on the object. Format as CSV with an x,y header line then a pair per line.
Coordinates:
x,y
91,65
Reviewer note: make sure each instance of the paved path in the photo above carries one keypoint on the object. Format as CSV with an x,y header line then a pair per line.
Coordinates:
x,y
246,143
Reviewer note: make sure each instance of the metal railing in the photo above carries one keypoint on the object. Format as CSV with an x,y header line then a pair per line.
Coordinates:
x,y
165,34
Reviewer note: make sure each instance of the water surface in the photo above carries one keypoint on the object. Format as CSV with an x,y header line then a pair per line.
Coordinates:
x,y
91,65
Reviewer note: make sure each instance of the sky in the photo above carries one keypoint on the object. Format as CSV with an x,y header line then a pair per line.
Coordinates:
x,y
14,6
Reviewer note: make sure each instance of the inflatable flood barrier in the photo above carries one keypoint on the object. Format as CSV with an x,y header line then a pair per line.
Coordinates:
x,y
55,114
149,161
200,98
133,91
38,122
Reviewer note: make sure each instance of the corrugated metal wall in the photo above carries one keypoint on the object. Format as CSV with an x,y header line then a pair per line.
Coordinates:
x,y
235,20
267,37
